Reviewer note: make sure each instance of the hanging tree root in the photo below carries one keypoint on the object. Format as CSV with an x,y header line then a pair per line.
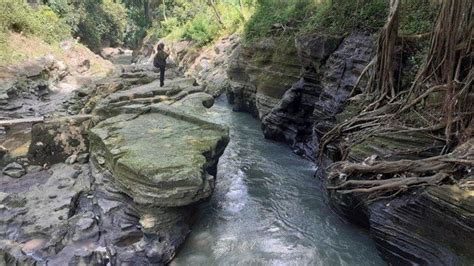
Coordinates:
x,y
382,82
436,169
444,72
394,184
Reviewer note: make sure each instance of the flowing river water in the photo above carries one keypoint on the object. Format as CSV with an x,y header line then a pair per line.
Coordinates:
x,y
268,209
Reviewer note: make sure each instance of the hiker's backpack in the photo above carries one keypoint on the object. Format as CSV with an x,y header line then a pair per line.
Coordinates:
x,y
160,59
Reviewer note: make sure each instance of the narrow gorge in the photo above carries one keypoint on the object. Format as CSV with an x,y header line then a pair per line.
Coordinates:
x,y
286,133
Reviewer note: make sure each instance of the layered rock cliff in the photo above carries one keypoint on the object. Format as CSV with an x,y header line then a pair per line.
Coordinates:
x,y
259,74
331,69
425,224
421,226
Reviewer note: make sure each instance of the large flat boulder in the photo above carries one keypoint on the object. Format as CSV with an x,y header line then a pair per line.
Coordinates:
x,y
165,158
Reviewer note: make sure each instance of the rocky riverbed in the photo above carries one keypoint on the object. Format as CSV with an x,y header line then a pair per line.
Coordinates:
x,y
116,168
117,180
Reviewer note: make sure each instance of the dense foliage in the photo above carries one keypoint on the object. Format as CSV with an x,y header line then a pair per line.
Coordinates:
x,y
289,17
17,16
43,23
199,21
97,22
418,16
100,23
281,17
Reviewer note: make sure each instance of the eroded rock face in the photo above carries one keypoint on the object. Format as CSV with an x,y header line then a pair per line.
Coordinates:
x,y
56,140
426,225
136,233
432,226
307,110
211,64
41,217
24,93
260,74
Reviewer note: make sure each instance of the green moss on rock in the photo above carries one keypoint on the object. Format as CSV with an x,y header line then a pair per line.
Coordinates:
x,y
159,158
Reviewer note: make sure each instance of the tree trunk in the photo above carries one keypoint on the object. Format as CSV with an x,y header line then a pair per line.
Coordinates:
x,y
383,82
218,16
164,10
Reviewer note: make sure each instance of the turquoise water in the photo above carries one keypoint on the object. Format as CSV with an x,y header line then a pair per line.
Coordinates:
x,y
268,209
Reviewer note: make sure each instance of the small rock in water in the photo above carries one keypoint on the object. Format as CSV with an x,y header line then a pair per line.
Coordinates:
x,y
14,170
34,169
39,144
126,226
3,131
83,158
71,159
4,197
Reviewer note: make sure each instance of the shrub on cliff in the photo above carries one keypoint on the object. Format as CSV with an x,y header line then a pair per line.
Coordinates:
x,y
202,29
286,18
42,22
278,17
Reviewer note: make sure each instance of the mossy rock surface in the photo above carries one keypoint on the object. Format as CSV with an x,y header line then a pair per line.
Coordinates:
x,y
395,146
160,158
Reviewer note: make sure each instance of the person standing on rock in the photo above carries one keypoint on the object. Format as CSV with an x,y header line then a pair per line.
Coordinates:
x,y
160,61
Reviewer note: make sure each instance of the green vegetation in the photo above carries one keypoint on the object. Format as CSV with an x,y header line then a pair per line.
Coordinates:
x,y
42,22
97,23
201,29
417,17
100,23
279,17
292,17
200,21
138,21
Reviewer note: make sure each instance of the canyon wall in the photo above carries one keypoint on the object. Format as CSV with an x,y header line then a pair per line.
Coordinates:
x,y
301,92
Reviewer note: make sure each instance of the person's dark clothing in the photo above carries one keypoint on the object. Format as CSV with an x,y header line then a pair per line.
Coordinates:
x,y
162,75
160,62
